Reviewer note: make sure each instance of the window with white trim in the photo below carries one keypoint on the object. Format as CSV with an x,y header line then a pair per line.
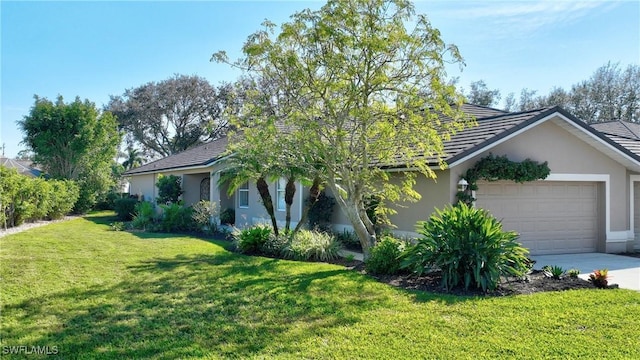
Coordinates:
x,y
243,195
281,186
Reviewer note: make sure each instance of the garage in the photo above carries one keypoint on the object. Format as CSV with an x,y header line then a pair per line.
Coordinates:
x,y
552,217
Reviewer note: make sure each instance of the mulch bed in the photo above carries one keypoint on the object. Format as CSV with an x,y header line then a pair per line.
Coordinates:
x,y
534,282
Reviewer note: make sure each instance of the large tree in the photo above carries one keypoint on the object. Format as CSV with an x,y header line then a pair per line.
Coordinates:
x,y
173,115
73,141
611,93
359,94
480,94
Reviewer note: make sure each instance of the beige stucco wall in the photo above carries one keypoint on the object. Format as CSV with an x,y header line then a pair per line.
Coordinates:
x,y
255,213
144,185
566,154
191,187
435,194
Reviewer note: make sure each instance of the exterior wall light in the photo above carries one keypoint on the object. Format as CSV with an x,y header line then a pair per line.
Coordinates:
x,y
463,185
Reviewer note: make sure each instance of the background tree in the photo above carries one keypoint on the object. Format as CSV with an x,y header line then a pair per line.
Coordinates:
x,y
611,93
360,92
133,158
172,115
480,94
73,141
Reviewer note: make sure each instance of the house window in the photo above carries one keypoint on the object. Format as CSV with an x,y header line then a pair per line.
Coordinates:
x,y
280,191
243,195
204,189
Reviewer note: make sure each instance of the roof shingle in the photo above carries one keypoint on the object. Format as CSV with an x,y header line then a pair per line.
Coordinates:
x,y
197,156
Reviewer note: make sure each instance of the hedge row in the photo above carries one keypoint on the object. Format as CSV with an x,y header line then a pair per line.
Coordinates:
x,y
29,199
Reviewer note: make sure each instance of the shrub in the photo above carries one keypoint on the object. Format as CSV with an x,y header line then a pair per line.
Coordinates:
x,y
169,189
203,215
573,273
41,198
349,239
64,194
117,226
176,217
251,240
320,213
312,245
125,208
108,202
468,246
384,257
143,216
555,272
228,216
275,245
600,278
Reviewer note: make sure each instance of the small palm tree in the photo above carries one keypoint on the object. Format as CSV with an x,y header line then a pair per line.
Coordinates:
x,y
133,157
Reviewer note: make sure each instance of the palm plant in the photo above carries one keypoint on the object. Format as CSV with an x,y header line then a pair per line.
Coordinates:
x,y
133,158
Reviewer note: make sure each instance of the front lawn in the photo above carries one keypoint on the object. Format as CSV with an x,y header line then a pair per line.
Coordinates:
x,y
94,293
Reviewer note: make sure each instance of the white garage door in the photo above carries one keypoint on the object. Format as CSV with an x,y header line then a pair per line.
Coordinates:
x,y
551,217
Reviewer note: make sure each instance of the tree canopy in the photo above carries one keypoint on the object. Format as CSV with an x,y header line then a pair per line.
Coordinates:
x,y
357,92
73,141
173,115
611,93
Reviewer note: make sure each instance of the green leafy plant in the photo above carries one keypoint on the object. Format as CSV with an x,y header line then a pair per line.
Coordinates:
x,y
125,208
144,215
228,216
573,273
117,226
384,258
251,240
469,246
349,240
320,213
169,189
350,258
204,213
600,278
555,272
176,217
493,168
312,245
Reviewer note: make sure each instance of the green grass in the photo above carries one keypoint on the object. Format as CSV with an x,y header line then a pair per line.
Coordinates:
x,y
95,293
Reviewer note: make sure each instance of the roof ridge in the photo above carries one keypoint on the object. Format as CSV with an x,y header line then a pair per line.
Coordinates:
x,y
486,107
515,113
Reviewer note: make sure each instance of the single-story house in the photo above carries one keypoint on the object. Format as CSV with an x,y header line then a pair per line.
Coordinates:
x,y
590,202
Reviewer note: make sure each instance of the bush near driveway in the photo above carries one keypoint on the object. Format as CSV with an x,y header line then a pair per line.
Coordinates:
x,y
469,247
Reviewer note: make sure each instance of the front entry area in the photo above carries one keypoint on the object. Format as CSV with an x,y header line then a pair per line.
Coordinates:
x,y
552,217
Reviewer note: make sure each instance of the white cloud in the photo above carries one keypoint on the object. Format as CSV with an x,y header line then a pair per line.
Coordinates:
x,y
522,17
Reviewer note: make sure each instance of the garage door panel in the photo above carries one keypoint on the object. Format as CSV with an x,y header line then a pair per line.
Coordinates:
x,y
551,217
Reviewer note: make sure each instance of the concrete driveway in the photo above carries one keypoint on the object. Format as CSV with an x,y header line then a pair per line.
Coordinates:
x,y
623,270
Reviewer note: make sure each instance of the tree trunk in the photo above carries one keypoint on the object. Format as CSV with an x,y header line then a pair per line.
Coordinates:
x,y
263,190
351,209
289,192
314,194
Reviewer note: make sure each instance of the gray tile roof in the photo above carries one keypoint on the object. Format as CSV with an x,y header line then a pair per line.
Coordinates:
x,y
493,125
625,133
489,129
23,167
198,156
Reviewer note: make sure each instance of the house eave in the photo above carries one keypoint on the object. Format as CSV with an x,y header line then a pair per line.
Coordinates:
x,y
207,164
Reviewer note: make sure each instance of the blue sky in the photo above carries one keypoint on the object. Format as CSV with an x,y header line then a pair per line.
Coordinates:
x,y
97,49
